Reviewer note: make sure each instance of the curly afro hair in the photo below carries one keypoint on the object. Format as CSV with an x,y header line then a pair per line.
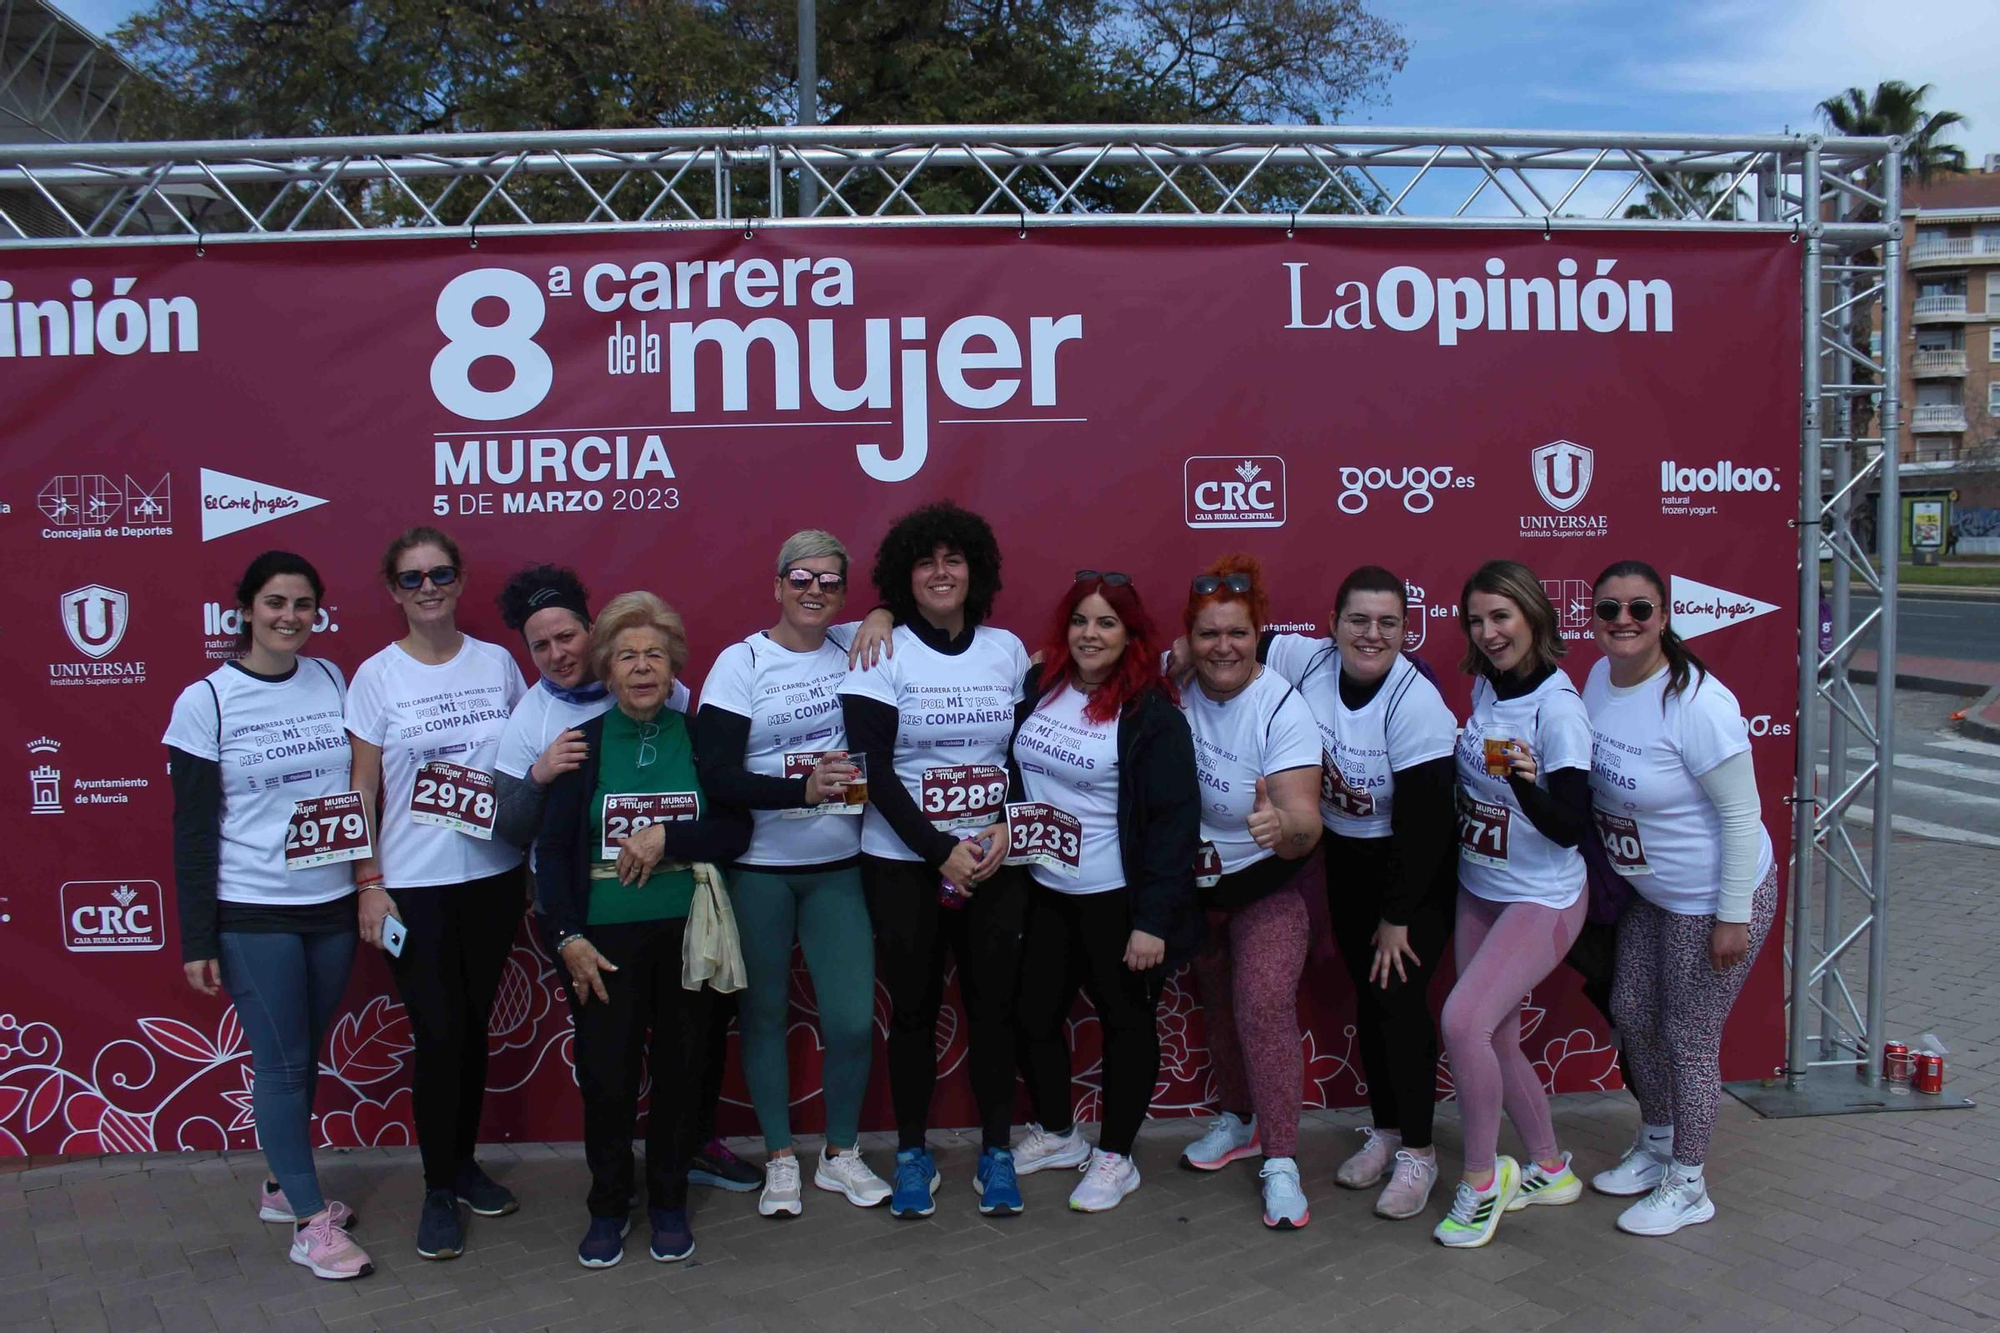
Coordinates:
x,y
539,587
919,533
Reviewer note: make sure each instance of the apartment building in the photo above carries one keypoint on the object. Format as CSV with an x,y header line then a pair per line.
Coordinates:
x,y
1951,345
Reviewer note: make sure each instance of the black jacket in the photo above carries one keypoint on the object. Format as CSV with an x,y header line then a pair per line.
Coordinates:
x,y
1159,815
565,849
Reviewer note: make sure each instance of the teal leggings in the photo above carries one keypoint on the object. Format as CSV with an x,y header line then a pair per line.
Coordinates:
x,y
829,914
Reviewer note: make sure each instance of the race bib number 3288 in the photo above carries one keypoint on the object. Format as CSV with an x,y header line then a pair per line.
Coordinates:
x,y
963,795
453,796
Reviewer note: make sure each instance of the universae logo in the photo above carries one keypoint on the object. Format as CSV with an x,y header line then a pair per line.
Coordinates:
x,y
1234,491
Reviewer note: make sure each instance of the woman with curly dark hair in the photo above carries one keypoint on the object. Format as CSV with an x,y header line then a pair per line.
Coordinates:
x,y
934,721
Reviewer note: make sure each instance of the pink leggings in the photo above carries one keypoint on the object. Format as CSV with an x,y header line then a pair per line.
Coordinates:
x,y
1504,950
1250,992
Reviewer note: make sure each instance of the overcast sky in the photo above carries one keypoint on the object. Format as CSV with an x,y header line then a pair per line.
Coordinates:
x,y
1749,66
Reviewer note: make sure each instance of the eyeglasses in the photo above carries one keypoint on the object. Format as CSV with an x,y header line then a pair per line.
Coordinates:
x,y
648,731
442,576
1204,584
798,580
1110,578
1642,609
1358,624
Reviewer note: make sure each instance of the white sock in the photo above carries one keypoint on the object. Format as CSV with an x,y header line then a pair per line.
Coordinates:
x,y
1684,1172
1659,1139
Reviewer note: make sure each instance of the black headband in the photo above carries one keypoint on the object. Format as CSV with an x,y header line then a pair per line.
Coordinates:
x,y
541,599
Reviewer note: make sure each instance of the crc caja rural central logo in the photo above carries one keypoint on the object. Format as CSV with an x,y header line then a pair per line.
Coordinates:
x,y
112,916
1235,491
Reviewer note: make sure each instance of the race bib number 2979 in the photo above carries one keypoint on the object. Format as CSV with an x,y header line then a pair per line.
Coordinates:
x,y
326,829
455,797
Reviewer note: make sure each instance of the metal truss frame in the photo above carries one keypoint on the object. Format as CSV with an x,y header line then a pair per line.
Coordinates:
x,y
55,77
1837,198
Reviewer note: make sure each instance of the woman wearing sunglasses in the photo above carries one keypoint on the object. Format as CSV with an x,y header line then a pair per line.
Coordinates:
x,y
1523,761
1675,798
425,716
1102,746
1257,759
1385,797
615,866
771,740
933,722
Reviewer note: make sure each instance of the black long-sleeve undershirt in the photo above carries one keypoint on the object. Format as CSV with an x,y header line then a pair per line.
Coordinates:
x,y
1561,811
197,785
721,738
871,731
1421,835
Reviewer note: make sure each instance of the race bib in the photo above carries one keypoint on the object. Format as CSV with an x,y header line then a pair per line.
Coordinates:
x,y
455,797
1039,834
1334,791
963,795
1207,866
626,813
800,764
1482,831
326,829
1621,843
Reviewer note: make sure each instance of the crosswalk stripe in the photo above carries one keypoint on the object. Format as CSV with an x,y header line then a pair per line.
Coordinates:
x,y
1943,767
1964,745
1923,828
1938,795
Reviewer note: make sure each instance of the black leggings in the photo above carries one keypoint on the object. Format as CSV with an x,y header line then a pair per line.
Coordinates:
x,y
459,936
912,932
1398,1037
1078,939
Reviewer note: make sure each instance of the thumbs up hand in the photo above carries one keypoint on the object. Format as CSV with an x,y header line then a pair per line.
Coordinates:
x,y
1266,825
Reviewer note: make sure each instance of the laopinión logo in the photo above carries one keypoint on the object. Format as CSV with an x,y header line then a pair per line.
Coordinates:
x,y
1562,472
1417,485
1680,485
95,619
1234,491
84,505
112,916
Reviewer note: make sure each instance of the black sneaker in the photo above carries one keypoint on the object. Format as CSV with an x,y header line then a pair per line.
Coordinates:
x,y
714,1165
483,1194
440,1234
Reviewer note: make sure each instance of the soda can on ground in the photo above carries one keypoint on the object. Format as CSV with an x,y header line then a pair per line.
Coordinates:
x,y
1894,1057
1930,1072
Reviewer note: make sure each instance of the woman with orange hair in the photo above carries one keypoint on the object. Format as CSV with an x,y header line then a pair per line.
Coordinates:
x,y
1257,757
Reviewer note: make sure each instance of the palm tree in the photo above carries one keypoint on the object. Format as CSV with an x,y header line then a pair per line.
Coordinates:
x,y
1691,194
1896,109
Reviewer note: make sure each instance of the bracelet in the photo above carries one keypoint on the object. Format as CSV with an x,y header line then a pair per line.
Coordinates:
x,y
363,885
564,941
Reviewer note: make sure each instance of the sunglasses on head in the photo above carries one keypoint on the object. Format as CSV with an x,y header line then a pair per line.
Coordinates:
x,y
1110,578
442,576
1642,609
1204,584
798,580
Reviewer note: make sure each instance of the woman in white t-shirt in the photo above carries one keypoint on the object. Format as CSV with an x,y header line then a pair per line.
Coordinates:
x,y
1523,763
933,722
1257,760
770,740
266,913
425,715
1675,798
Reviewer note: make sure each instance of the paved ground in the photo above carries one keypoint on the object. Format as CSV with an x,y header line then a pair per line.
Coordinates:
x,y
1946,784
1854,1223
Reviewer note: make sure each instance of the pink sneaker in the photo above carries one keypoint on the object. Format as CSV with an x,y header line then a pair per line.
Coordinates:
x,y
1408,1192
328,1251
1371,1162
273,1206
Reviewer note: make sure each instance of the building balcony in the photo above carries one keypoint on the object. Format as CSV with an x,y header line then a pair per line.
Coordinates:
x,y
1932,362
1945,250
1940,308
1938,417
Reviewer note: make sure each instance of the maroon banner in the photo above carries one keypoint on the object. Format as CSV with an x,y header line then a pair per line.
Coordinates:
x,y
661,410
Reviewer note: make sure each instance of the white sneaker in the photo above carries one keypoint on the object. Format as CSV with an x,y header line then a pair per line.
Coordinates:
x,y
1641,1168
1106,1182
848,1174
1540,1185
1042,1150
1284,1202
1408,1192
781,1188
1675,1202
1475,1214
1228,1139
1374,1159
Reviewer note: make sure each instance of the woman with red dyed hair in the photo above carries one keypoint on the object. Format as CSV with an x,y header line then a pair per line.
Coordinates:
x,y
1106,761
1257,758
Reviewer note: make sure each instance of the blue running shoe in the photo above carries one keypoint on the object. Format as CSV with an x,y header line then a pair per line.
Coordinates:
x,y
917,1180
673,1239
604,1244
995,1183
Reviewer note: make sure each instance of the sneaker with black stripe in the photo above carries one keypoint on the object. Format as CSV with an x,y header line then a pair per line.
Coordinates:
x,y
1548,1187
1475,1214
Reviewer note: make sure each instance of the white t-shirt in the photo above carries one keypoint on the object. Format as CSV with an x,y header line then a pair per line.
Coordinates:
x,y
1658,825
1264,730
1405,723
1502,857
417,713
277,742
1071,763
793,703
952,712
541,716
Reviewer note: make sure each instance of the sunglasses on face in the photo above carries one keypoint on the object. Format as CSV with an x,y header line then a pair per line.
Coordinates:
x,y
442,576
1111,578
1642,609
798,580
1204,584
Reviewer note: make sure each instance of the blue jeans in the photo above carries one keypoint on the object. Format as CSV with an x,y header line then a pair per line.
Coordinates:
x,y
286,989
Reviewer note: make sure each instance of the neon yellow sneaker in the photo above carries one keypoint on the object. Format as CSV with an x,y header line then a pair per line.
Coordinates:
x,y
1475,1214
1539,1186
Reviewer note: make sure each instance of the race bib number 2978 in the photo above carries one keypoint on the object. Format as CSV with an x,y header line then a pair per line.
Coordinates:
x,y
455,797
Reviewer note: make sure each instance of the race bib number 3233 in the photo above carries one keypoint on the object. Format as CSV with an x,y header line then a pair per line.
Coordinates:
x,y
1039,834
455,797
326,829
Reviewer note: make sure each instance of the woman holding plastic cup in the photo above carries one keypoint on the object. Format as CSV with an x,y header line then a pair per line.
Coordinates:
x,y
1523,763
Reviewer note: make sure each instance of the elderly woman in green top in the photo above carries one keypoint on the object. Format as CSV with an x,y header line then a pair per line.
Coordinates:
x,y
613,862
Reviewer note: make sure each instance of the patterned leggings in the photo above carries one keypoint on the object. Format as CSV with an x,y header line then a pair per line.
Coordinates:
x,y
1671,1005
1249,976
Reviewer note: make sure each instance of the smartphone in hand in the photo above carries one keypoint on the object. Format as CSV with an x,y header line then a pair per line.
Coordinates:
x,y
394,932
